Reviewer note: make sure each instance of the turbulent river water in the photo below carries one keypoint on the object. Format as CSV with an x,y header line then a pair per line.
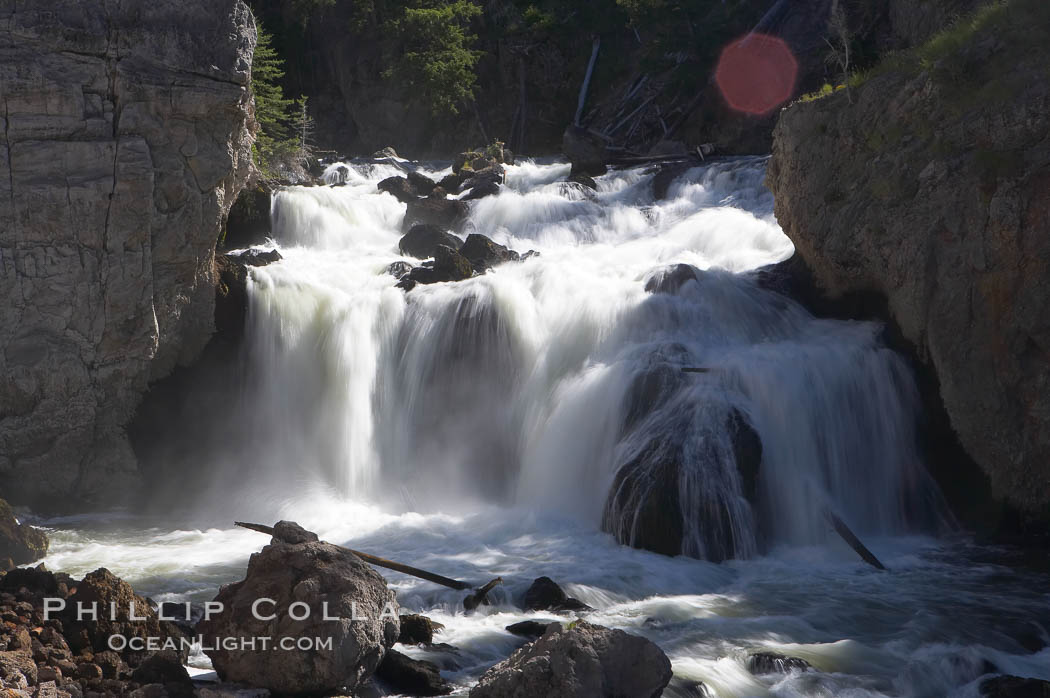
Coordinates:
x,y
475,429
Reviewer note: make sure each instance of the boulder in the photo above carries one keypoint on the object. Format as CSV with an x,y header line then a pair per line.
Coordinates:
x,y
450,182
412,677
1014,687
311,572
417,629
398,187
544,594
580,661
448,214
484,254
422,241
165,669
583,179
773,663
231,289
480,188
108,592
665,176
644,510
383,153
19,543
259,258
126,143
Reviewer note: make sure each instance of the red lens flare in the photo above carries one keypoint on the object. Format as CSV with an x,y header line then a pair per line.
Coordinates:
x,y
756,73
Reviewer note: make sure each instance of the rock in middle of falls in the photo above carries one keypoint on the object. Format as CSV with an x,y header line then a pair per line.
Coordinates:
x,y
684,490
303,577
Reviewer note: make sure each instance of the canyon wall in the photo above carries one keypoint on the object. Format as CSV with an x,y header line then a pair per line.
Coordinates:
x,y
929,185
125,136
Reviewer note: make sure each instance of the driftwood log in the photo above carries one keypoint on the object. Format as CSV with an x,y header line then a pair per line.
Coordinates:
x,y
470,603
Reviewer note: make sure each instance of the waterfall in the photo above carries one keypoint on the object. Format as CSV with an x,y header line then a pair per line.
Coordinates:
x,y
555,383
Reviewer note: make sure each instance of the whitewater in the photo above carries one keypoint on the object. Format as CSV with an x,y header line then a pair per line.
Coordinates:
x,y
476,429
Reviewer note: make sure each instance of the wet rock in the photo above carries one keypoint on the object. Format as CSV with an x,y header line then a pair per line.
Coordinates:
x,y
231,289
450,182
1014,687
666,176
582,660
417,629
399,269
412,677
448,265
387,152
398,187
644,510
19,543
531,629
480,188
484,254
671,279
249,220
773,663
447,214
422,241
545,595
583,179
260,258
421,184
305,572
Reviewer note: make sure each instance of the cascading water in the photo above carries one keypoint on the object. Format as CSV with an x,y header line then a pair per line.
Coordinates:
x,y
514,386
496,426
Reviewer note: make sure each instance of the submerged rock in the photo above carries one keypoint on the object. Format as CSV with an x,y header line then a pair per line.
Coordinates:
x,y
580,661
671,279
773,663
307,572
545,595
399,269
413,677
422,241
19,544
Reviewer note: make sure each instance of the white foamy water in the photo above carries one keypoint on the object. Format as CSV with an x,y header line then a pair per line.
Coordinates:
x,y
476,429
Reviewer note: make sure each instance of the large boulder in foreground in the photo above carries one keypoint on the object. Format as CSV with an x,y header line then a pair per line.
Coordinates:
x,y
19,544
919,188
581,661
123,144
296,567
447,214
422,241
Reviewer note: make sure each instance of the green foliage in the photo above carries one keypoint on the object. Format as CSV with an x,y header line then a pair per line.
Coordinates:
x,y
437,57
282,121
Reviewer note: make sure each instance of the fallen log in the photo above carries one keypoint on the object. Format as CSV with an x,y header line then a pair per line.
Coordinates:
x,y
479,597
382,562
847,535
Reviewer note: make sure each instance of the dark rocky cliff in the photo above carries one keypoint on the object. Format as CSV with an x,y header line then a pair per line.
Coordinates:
x,y
125,135
932,190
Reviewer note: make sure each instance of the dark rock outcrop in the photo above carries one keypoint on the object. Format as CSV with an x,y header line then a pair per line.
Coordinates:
x,y
399,269
19,544
531,629
933,195
398,187
124,141
413,677
422,241
671,279
231,289
545,595
448,265
308,571
587,153
580,661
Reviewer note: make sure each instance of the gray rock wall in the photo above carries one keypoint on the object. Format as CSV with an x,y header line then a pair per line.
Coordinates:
x,y
125,136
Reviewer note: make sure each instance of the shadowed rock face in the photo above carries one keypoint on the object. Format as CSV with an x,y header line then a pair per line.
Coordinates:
x,y
124,140
935,194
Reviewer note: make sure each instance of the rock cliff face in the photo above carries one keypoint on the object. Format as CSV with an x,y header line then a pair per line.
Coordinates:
x,y
125,136
933,189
